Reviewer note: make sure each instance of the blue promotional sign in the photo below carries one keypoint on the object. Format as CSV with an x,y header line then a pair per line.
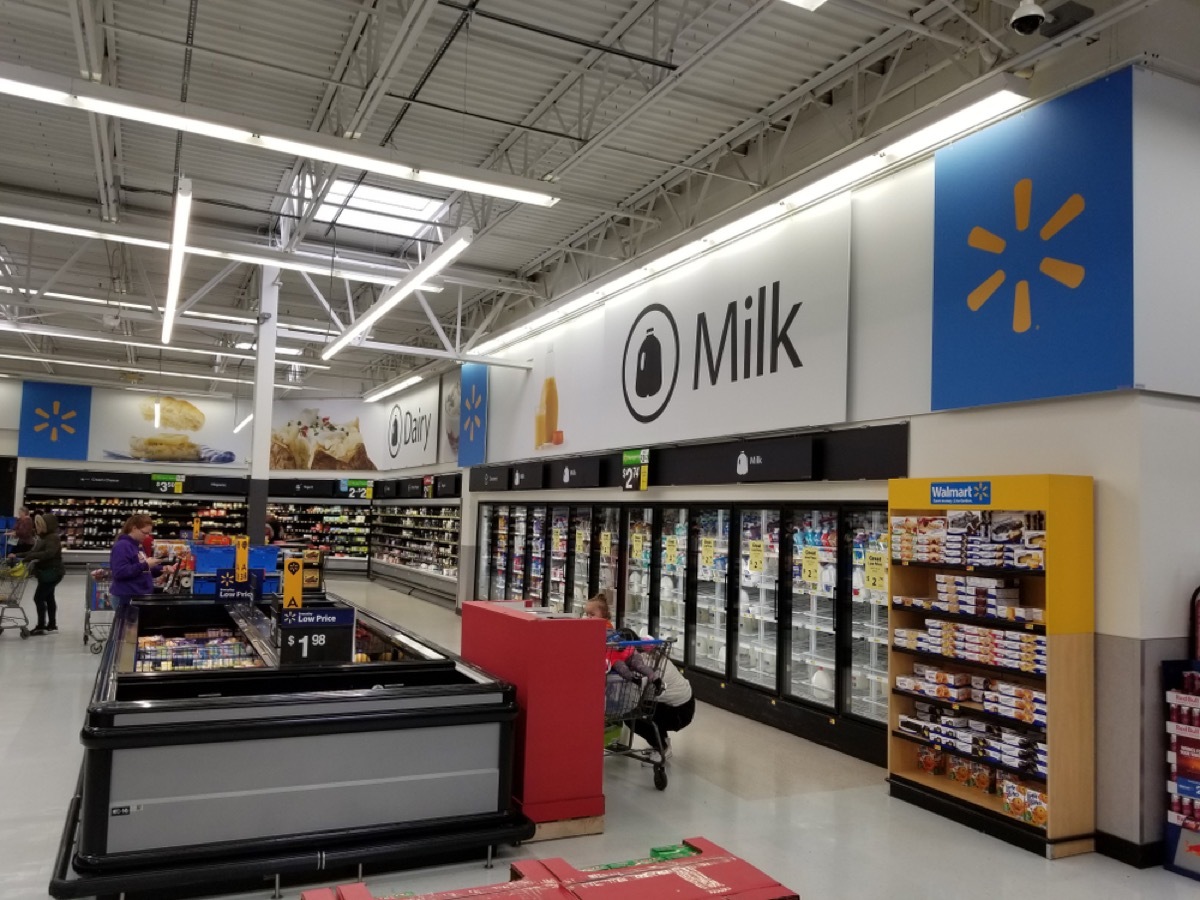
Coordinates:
x,y
230,590
960,493
1033,253
316,618
473,411
55,420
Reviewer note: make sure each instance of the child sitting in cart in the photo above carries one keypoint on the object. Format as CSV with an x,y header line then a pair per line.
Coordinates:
x,y
622,665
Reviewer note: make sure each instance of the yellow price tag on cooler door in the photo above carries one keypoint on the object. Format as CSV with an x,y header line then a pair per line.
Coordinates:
x,y
241,558
581,542
635,545
605,543
875,577
672,550
708,551
810,565
756,556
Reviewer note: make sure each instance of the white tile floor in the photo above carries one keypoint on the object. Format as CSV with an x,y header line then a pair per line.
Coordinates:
x,y
818,821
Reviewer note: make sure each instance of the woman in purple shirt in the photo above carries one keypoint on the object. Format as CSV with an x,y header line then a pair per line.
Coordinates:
x,y
132,572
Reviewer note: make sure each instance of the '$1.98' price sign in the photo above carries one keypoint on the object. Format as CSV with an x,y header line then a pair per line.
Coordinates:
x,y
316,635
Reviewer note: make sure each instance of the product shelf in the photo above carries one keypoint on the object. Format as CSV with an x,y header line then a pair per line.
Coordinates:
x,y
976,710
986,667
985,621
990,571
1023,774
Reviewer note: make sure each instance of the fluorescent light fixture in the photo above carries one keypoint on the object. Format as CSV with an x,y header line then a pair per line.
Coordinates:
x,y
242,424
36,225
68,335
53,360
293,262
430,266
179,230
44,87
280,351
810,5
390,388
175,392
157,413
997,98
377,209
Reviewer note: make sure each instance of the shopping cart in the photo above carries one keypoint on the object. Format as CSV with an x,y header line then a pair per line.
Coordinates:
x,y
98,611
12,588
629,702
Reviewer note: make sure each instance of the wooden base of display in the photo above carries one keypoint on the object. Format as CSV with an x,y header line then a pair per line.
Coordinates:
x,y
551,831
990,822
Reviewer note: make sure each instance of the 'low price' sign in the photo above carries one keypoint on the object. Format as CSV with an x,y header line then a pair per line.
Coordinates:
x,y
308,636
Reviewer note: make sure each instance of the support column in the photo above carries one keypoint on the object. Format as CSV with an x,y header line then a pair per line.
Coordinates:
x,y
264,396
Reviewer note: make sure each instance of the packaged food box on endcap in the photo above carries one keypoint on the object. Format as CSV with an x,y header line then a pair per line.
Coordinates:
x,y
945,692
905,683
1037,807
954,679
958,769
1034,539
931,760
982,777
1024,558
1013,793
963,521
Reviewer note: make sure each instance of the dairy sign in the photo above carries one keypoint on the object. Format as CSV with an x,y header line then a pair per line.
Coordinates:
x,y
753,337
412,429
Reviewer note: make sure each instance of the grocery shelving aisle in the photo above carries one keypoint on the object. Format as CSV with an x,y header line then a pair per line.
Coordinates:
x,y
817,820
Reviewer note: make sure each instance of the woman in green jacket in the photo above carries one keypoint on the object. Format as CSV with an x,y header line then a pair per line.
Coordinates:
x,y
48,570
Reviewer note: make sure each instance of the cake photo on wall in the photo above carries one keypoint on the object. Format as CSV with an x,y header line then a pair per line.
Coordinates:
x,y
170,440
313,441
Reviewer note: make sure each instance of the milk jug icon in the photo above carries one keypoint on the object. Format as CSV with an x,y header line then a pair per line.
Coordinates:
x,y
648,380
743,464
566,475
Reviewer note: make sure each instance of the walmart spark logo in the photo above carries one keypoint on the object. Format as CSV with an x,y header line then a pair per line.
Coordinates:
x,y
1068,274
953,493
471,418
54,420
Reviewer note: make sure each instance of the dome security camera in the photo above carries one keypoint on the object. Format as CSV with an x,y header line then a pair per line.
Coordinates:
x,y
1028,18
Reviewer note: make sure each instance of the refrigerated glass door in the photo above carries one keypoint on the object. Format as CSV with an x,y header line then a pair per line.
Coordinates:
x,y
610,554
867,534
500,554
758,597
483,551
537,555
640,544
581,559
712,578
812,673
672,580
516,581
560,527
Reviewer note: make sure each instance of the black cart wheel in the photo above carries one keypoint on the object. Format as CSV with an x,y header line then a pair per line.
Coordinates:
x,y
24,633
96,647
660,778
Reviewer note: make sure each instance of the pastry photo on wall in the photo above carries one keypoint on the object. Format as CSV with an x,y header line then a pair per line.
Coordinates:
x,y
313,441
171,436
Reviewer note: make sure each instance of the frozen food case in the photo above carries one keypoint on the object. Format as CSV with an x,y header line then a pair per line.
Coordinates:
x,y
212,750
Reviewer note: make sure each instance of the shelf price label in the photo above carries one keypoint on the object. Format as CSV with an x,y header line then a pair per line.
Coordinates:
x,y
231,589
636,540
168,484
672,549
356,488
875,577
810,565
635,470
756,556
606,543
311,636
581,542
708,551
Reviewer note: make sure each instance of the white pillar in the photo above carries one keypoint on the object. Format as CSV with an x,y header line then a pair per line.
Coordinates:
x,y
264,395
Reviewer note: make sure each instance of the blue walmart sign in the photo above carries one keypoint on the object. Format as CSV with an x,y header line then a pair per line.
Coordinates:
x,y
1033,253
55,419
960,493
473,406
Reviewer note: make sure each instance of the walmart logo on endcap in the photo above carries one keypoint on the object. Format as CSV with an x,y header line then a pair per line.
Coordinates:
x,y
1065,273
952,493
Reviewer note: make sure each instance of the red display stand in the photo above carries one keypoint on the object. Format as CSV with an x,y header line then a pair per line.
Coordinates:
x,y
713,873
557,667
